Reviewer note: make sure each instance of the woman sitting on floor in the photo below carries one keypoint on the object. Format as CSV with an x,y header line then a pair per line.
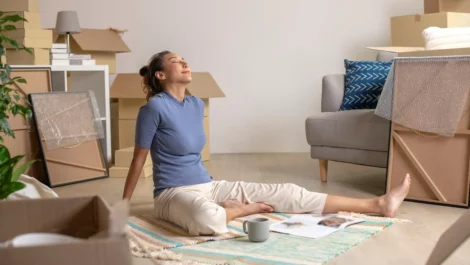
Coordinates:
x,y
170,126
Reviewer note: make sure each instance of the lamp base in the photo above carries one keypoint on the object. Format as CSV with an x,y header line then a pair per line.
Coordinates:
x,y
68,43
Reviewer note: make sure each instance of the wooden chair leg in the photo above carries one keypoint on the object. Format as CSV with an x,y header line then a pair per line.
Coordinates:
x,y
323,169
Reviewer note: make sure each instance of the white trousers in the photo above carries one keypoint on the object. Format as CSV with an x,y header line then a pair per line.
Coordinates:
x,y
195,208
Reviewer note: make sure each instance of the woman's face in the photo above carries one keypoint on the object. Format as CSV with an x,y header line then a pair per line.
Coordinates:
x,y
175,69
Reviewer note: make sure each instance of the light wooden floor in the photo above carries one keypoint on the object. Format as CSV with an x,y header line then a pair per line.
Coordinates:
x,y
400,244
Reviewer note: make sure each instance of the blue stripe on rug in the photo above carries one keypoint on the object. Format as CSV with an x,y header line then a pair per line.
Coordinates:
x,y
145,231
228,256
236,229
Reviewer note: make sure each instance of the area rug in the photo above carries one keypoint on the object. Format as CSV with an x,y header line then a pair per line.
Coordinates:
x,y
177,246
154,234
282,249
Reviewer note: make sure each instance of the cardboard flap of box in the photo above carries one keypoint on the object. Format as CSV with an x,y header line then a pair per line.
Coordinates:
x,y
98,40
80,217
129,85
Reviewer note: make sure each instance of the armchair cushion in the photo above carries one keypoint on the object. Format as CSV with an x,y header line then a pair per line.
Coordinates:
x,y
364,83
332,92
354,129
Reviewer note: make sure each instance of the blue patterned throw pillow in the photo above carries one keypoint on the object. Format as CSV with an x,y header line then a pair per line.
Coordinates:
x,y
364,83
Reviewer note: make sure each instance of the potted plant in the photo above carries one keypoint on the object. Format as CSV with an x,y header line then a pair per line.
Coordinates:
x,y
10,106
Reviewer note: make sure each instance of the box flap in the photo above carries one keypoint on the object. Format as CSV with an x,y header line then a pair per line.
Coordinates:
x,y
204,86
98,40
397,49
70,216
129,85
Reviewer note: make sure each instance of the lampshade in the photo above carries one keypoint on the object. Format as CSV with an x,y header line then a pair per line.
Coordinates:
x,y
67,22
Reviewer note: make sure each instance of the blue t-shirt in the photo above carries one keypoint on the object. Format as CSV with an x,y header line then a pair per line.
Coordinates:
x,y
173,130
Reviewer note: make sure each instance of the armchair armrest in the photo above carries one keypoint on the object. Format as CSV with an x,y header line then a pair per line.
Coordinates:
x,y
332,92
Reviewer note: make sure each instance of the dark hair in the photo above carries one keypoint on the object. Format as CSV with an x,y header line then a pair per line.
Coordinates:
x,y
151,84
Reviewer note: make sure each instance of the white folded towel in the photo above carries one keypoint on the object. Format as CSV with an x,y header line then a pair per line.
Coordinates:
x,y
436,38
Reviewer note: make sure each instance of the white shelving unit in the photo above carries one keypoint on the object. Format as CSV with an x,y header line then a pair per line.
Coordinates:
x,y
84,78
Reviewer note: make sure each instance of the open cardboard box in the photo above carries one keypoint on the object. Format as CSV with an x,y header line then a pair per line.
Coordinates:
x,y
99,227
101,44
438,6
408,30
127,96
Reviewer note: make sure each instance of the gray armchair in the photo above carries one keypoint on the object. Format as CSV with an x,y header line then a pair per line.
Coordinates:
x,y
352,136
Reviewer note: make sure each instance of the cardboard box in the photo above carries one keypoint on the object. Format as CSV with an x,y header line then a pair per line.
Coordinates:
x,y
121,172
31,43
87,218
438,6
33,20
206,151
101,44
124,135
420,52
406,31
26,140
128,96
123,157
19,5
21,57
28,34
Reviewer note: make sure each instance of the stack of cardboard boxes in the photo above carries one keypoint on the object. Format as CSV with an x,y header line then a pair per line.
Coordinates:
x,y
407,31
127,96
29,34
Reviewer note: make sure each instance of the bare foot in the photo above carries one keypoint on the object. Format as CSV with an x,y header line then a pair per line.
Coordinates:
x,y
390,202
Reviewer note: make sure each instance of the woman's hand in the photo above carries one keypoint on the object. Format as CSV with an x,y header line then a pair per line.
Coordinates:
x,y
140,155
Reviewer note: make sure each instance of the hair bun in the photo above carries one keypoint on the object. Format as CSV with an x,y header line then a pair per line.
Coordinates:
x,y
144,71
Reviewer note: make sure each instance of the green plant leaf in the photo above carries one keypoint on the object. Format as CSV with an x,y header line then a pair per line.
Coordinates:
x,y
28,114
21,169
17,97
8,70
15,110
9,27
5,127
4,154
21,80
9,188
13,43
6,170
4,77
12,18
28,50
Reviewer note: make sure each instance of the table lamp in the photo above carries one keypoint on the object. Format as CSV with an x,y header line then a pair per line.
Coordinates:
x,y
66,24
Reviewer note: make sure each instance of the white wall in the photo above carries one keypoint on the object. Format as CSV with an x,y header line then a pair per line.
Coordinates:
x,y
267,55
